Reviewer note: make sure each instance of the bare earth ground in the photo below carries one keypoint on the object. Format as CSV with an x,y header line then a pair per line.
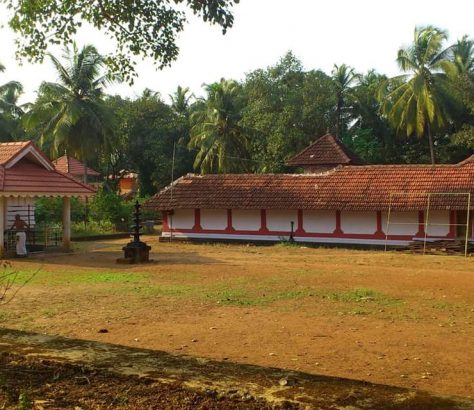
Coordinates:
x,y
388,318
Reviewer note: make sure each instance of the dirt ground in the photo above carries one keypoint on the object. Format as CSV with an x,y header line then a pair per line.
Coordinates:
x,y
66,386
389,318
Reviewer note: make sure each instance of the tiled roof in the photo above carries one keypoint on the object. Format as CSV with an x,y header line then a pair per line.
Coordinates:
x,y
24,169
326,150
9,150
28,177
72,166
369,187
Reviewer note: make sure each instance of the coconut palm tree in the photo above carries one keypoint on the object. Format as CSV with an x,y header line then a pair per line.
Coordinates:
x,y
180,101
419,102
216,133
70,115
10,111
344,77
463,55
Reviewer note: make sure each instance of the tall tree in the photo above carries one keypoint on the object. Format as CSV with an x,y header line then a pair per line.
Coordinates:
x,y
70,115
344,78
287,108
181,100
138,28
10,111
217,135
152,128
418,102
463,55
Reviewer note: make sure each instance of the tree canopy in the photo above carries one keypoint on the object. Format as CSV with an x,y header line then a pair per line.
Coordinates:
x,y
139,28
255,124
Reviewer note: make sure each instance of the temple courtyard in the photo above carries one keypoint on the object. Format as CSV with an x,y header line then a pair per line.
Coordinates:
x,y
385,317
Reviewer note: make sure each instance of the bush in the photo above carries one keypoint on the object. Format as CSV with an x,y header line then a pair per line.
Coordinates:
x,y
49,211
107,212
92,228
110,207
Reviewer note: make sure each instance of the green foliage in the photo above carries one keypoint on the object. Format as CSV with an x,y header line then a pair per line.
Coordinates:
x,y
420,103
108,207
286,108
344,77
146,28
92,228
70,115
217,135
148,130
10,111
49,211
24,402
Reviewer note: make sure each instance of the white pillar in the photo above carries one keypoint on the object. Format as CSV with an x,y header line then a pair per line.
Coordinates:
x,y
3,212
67,223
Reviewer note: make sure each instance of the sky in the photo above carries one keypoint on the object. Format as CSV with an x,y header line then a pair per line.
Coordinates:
x,y
364,34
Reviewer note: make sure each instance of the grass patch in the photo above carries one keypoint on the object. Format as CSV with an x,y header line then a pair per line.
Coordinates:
x,y
76,277
106,277
165,291
444,306
250,297
361,295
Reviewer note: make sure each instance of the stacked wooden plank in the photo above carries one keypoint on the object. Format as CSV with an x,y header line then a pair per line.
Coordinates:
x,y
440,247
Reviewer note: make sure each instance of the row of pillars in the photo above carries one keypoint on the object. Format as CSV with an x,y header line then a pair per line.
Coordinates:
x,y
66,223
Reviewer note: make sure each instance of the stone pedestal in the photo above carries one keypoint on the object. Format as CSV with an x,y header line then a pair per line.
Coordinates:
x,y
135,252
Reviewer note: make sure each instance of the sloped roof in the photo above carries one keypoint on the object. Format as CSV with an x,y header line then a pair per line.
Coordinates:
x,y
361,188
9,150
72,166
326,150
24,169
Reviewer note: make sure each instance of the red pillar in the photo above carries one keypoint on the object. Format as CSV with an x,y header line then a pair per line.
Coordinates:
x,y
166,226
452,224
338,230
421,224
197,220
263,221
229,227
300,227
379,231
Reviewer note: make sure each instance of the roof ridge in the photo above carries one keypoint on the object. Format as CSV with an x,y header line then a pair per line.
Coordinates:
x,y
328,150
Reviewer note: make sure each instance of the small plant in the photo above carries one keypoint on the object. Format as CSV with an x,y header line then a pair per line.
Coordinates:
x,y
290,242
24,402
8,279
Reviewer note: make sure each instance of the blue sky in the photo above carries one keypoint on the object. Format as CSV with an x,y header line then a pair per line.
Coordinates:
x,y
364,34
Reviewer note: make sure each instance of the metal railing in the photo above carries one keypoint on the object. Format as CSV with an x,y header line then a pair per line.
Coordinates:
x,y
37,239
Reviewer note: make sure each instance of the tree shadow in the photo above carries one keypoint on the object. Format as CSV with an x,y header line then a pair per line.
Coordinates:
x,y
108,259
273,384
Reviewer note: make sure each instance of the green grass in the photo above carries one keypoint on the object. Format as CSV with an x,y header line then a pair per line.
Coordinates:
x,y
361,295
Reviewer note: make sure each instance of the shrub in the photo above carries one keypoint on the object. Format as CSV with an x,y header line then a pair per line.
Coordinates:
x,y
50,210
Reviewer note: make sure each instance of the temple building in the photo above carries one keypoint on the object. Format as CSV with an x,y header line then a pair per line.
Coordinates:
x,y
338,199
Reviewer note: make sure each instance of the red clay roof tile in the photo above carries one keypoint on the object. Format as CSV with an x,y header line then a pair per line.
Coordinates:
x,y
326,150
72,166
362,188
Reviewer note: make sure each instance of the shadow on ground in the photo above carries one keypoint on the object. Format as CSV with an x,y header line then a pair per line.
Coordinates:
x,y
272,384
100,259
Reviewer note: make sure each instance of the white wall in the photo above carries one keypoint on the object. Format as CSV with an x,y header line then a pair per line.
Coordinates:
x,y
319,221
181,219
280,220
22,206
246,220
438,217
359,222
214,219
409,220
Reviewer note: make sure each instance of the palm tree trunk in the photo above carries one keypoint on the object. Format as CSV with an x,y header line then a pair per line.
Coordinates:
x,y
430,140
